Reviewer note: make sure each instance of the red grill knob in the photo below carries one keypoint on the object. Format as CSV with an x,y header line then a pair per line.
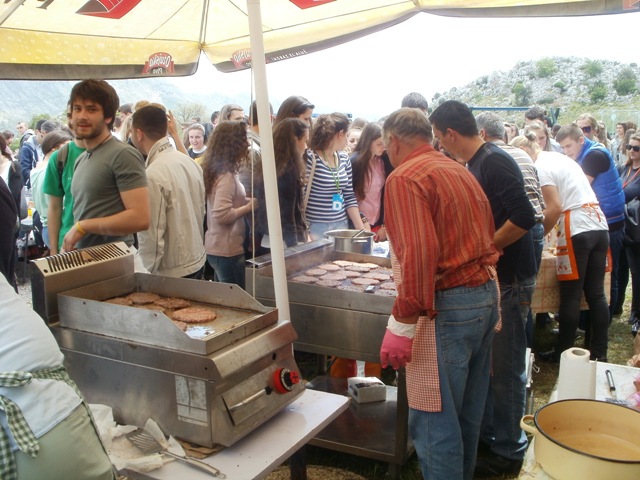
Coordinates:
x,y
284,380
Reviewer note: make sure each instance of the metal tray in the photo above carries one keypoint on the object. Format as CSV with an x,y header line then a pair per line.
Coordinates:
x,y
239,314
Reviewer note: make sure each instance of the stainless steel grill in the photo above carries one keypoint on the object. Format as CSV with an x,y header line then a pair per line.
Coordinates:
x,y
210,385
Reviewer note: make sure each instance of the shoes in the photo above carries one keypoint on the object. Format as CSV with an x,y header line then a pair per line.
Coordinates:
x,y
493,465
633,318
549,357
635,327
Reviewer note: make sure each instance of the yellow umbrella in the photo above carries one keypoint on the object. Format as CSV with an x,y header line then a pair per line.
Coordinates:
x,y
73,39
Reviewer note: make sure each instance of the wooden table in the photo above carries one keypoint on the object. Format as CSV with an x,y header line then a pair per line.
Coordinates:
x,y
267,447
546,296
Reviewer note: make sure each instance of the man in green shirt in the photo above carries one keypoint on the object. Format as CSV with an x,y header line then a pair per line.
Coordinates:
x,y
58,187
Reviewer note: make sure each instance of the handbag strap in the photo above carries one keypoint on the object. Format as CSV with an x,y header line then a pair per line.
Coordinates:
x,y
307,192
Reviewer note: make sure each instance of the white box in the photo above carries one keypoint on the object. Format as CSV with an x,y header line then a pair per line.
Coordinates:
x,y
367,389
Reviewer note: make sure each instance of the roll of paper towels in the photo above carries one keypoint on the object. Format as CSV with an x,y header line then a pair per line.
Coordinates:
x,y
577,378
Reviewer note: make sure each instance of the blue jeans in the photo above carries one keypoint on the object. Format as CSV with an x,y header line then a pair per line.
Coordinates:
x,y
446,441
228,269
318,229
507,394
537,233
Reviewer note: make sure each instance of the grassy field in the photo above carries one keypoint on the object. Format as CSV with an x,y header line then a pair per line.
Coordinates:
x,y
544,379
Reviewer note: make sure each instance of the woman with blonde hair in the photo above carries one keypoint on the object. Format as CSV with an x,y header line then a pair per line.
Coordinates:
x,y
583,243
630,176
542,135
227,204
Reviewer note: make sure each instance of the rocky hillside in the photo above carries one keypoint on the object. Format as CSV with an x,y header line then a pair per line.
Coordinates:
x,y
571,84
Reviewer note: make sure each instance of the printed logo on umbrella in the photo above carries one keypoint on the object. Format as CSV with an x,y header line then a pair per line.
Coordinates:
x,y
108,8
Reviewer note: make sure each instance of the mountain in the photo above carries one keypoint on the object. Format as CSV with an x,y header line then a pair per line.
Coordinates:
x,y
607,89
24,99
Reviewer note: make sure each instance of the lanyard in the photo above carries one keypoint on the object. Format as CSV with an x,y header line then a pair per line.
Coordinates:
x,y
627,181
334,174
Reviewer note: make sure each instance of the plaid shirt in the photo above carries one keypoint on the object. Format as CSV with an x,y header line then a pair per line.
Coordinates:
x,y
441,229
20,430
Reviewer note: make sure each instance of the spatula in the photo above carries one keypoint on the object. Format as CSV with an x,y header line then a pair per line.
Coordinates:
x,y
612,390
149,445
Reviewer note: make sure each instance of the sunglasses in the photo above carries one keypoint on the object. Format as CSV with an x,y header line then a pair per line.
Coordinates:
x,y
586,129
635,148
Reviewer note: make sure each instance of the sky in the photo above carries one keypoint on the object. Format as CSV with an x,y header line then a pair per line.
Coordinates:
x,y
428,53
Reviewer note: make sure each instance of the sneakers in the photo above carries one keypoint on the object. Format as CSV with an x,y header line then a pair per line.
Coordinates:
x,y
635,327
492,465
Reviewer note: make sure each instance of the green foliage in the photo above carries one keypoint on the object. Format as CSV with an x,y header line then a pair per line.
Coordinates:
x,y
522,94
598,92
40,116
545,100
626,82
560,85
546,67
592,68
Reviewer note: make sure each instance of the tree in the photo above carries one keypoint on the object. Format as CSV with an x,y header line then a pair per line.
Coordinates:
x,y
592,68
598,92
185,112
560,85
626,82
546,67
522,94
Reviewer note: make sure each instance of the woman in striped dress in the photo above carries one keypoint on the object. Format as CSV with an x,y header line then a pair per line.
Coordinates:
x,y
331,202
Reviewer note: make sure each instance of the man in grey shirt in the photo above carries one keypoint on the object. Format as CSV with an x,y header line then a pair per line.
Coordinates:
x,y
109,186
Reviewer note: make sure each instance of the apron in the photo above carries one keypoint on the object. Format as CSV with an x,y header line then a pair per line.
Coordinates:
x,y
566,266
22,433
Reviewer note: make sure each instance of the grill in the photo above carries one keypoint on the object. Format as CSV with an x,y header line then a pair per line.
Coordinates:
x,y
212,384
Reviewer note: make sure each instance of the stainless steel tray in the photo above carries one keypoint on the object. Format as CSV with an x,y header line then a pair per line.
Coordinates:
x,y
239,314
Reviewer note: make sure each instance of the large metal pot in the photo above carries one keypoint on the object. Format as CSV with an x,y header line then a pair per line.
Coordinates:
x,y
586,439
348,241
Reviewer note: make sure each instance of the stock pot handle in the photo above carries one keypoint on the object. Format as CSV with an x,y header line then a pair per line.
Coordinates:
x,y
526,427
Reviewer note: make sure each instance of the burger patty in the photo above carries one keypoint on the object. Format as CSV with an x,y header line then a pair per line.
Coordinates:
x,y
173,303
142,298
195,315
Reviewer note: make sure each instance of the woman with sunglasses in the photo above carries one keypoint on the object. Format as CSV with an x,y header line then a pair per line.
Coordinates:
x,y
630,176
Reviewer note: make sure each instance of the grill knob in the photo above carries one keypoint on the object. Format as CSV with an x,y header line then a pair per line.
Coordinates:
x,y
284,380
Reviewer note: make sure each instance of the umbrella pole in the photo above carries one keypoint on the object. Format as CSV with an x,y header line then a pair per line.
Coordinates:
x,y
258,66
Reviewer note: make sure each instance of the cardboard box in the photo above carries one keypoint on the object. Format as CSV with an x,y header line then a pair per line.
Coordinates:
x,y
367,389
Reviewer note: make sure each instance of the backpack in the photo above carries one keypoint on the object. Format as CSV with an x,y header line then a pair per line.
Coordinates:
x,y
63,154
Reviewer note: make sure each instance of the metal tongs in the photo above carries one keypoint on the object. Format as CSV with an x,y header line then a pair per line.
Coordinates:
x,y
358,233
149,445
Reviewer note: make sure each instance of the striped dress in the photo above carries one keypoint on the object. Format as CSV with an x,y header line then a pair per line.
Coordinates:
x,y
324,186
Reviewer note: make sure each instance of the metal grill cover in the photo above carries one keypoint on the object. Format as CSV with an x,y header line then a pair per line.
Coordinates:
x,y
65,271
239,314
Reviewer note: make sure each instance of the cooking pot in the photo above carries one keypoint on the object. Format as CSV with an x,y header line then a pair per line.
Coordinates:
x,y
348,241
586,439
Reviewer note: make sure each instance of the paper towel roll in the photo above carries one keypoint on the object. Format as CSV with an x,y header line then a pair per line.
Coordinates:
x,y
577,378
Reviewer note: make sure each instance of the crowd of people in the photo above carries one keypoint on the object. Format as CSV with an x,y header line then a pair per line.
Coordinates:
x,y
464,201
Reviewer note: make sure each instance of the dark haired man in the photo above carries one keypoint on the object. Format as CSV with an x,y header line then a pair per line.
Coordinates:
x,y
497,172
173,245
440,227
109,186
415,100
